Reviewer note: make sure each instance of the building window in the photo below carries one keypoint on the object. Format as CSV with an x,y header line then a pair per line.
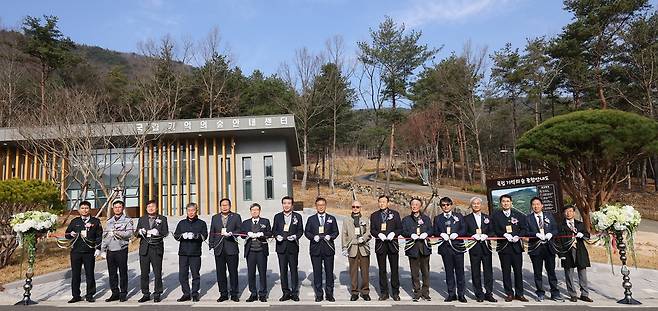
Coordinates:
x,y
246,177
269,177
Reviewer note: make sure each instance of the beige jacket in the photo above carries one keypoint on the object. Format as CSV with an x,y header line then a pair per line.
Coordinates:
x,y
350,241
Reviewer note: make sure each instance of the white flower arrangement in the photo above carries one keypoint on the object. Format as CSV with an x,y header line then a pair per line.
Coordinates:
x,y
616,219
37,220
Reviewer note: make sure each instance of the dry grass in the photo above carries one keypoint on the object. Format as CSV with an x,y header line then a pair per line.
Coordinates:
x,y
49,258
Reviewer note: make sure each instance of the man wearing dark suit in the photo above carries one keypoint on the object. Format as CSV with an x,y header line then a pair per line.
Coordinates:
x,y
479,227
288,228
510,224
417,227
151,230
543,227
386,225
224,228
190,233
450,225
574,254
256,231
322,230
87,235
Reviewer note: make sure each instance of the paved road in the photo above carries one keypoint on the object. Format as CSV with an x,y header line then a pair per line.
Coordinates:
x,y
647,225
54,290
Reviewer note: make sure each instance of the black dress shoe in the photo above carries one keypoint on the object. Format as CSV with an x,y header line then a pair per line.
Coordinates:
x,y
331,298
573,299
366,297
144,298
183,298
295,298
521,298
123,298
415,299
263,299
450,298
75,299
383,297
426,297
396,297
586,299
490,298
156,298
479,299
252,298
354,297
285,297
195,298
112,298
318,299
462,299
222,298
509,298
235,299
91,299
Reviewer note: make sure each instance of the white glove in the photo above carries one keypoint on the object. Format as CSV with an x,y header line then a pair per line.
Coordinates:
x,y
292,237
110,231
445,236
390,236
104,255
580,235
327,237
251,234
382,237
97,253
423,236
260,234
142,231
476,236
345,253
540,236
453,236
190,235
483,237
361,240
414,236
316,238
509,237
515,238
548,236
279,238
73,234
153,232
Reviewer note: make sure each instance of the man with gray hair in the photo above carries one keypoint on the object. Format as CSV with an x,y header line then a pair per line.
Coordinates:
x,y
479,227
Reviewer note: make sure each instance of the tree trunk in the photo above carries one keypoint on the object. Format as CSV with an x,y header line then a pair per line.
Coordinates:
x,y
451,159
462,155
483,174
305,156
332,159
514,133
42,84
390,160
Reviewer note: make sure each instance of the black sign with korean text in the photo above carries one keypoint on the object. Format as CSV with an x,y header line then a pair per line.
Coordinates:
x,y
523,188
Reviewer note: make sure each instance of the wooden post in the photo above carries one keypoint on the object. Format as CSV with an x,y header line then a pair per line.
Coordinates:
x,y
188,171
206,177
150,165
160,178
216,167
141,182
233,179
169,168
224,185
197,178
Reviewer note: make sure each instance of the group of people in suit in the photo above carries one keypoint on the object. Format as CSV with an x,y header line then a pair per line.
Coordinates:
x,y
547,239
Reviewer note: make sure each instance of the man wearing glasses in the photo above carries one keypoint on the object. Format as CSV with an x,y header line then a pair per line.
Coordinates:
x,y
355,240
450,225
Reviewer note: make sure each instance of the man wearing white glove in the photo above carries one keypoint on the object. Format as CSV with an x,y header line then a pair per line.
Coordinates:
x,y
575,256
279,238
510,223
387,222
151,250
355,238
222,239
89,231
115,246
256,251
541,250
418,227
479,226
190,233
322,250
289,225
449,225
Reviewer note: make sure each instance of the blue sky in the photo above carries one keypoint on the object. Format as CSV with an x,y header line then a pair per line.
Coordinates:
x,y
262,34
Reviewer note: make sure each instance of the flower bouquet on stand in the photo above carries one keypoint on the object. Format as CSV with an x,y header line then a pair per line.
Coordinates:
x,y
29,226
614,221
